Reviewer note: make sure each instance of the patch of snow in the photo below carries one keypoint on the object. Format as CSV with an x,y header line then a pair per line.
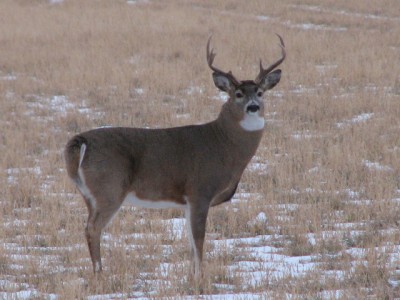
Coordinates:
x,y
222,96
322,69
361,202
34,170
231,296
272,266
194,90
9,77
107,296
352,194
314,169
139,91
266,264
134,59
319,9
376,166
362,117
261,218
27,294
243,196
60,104
258,165
9,285
265,261
300,89
133,2
260,168
16,223
356,119
306,135
312,26
176,227
12,173
263,18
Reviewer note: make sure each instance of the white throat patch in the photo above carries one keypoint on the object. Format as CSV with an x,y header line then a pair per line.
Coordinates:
x,y
252,122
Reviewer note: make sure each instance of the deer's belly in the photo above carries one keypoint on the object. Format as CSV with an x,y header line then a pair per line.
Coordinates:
x,y
133,199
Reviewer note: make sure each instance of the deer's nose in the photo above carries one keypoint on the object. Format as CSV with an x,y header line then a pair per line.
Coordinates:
x,y
253,108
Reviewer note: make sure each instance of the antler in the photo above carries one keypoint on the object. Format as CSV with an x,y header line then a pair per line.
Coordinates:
x,y
264,72
210,59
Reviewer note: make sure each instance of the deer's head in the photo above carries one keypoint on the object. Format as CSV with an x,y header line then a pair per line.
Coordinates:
x,y
246,97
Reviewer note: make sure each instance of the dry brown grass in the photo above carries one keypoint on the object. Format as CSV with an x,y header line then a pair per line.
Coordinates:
x,y
331,190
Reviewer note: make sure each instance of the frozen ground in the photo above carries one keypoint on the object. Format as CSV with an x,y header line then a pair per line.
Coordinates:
x,y
265,260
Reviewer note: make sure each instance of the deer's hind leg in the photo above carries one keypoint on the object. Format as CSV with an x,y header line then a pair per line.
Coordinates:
x,y
97,221
102,207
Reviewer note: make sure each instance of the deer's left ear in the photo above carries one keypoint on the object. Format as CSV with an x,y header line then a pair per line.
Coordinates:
x,y
270,80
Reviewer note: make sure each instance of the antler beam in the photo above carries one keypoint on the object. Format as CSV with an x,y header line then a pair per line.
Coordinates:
x,y
210,59
264,72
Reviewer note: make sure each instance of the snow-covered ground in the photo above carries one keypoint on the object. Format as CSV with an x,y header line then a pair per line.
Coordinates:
x,y
262,263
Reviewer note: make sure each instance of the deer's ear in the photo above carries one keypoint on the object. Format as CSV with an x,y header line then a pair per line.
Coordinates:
x,y
270,80
222,82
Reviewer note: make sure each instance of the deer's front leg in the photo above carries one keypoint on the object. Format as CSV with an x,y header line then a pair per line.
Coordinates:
x,y
196,218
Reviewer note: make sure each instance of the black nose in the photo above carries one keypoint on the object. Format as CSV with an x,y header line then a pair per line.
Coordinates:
x,y
253,108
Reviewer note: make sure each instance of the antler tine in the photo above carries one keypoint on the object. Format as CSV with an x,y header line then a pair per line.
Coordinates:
x,y
263,71
210,55
210,59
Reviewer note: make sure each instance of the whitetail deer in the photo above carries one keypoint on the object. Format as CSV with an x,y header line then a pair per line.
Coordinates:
x,y
192,167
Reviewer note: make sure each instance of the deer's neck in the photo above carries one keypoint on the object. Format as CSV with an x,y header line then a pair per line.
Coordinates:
x,y
229,130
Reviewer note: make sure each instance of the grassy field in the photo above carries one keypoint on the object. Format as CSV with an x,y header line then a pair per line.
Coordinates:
x,y
317,213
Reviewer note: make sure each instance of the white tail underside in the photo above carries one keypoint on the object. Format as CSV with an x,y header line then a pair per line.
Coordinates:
x,y
82,184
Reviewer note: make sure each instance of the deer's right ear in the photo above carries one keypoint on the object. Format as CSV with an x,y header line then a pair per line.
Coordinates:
x,y
222,82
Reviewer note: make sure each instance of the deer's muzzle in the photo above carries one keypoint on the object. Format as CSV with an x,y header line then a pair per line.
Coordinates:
x,y
252,108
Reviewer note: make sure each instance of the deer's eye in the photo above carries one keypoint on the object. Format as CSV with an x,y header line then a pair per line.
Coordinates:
x,y
239,94
259,94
